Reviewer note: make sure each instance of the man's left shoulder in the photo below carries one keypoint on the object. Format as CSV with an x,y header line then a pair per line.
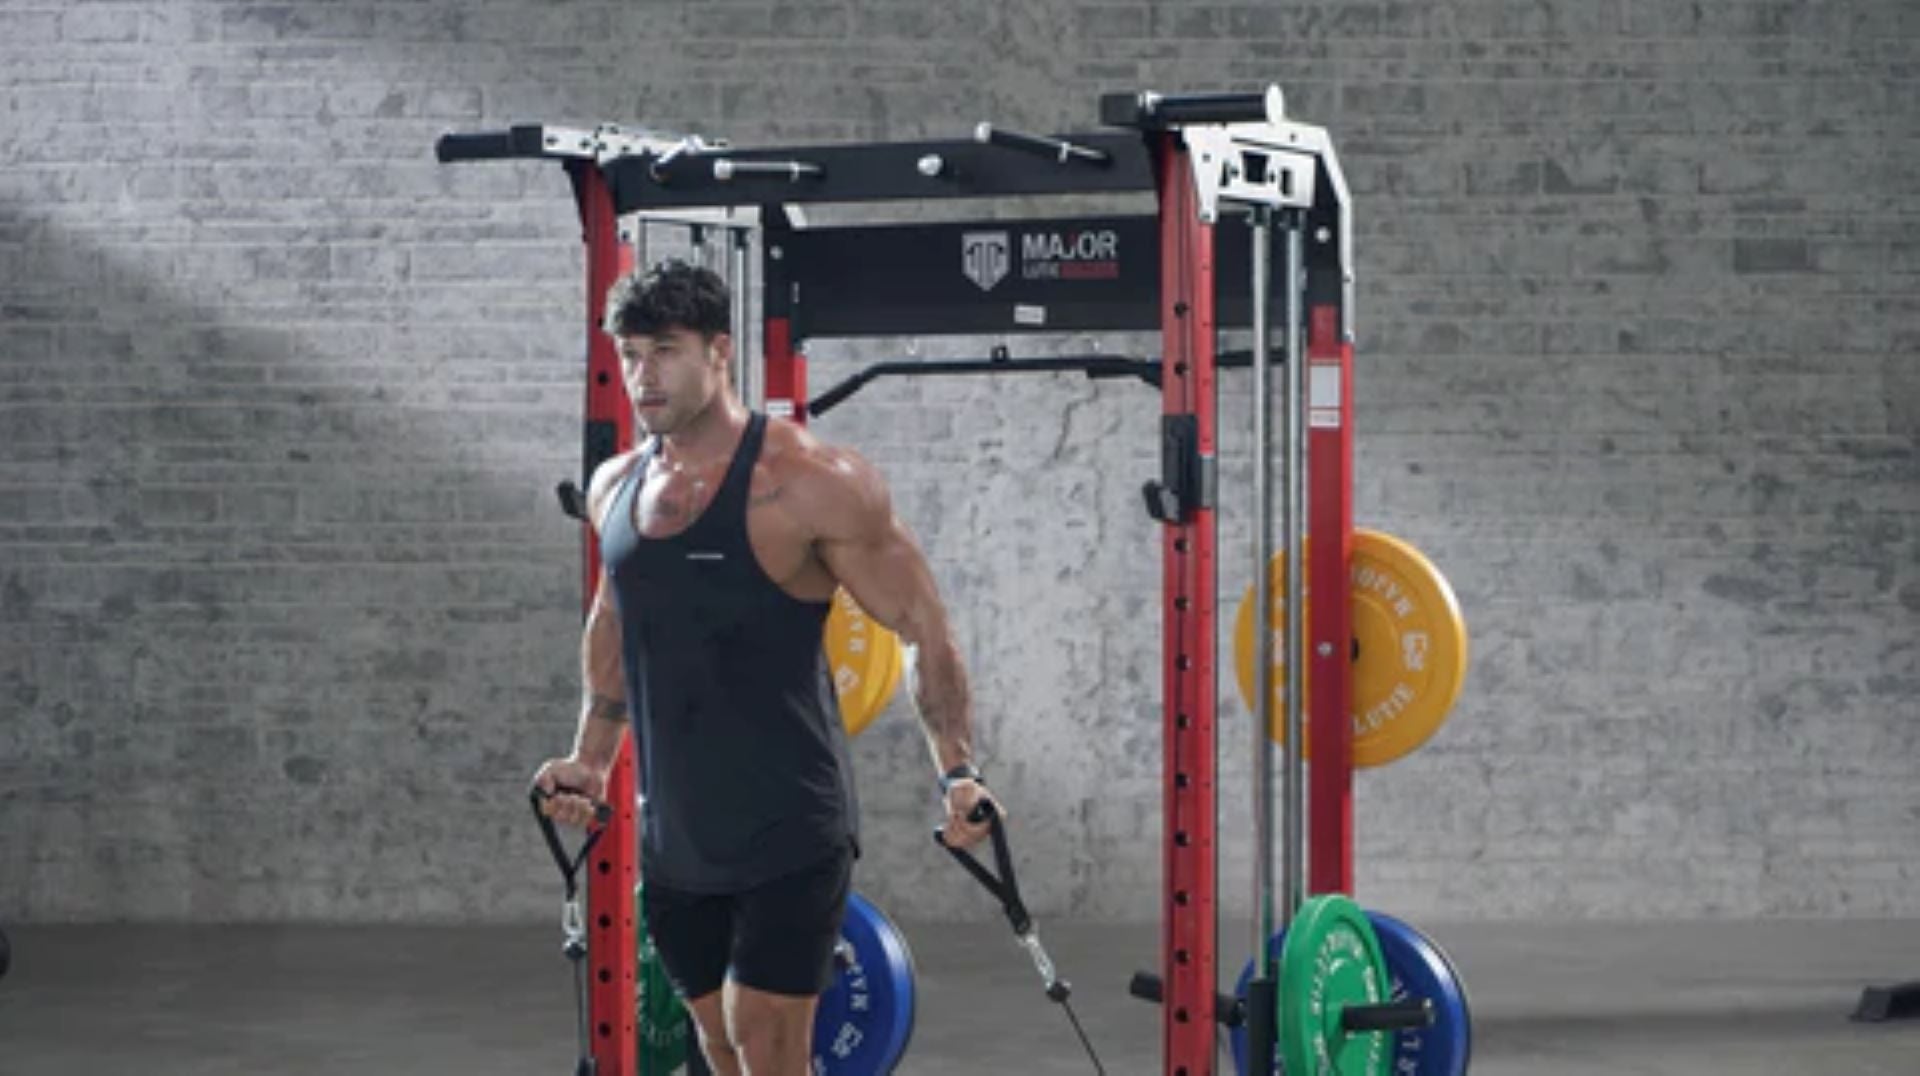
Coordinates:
x,y
800,455
833,479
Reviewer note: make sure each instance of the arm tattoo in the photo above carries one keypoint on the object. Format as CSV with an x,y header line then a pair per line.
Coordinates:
x,y
673,509
607,709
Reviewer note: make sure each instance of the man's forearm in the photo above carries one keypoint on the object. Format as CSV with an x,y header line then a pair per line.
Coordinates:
x,y
603,724
941,696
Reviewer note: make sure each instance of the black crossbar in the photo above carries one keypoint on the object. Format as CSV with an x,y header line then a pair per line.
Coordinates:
x,y
882,172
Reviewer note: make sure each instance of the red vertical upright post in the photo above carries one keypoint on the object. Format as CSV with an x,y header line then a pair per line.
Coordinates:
x,y
1330,629
1189,912
786,372
612,926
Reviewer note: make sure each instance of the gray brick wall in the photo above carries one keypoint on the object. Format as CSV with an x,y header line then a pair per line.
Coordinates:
x,y
286,614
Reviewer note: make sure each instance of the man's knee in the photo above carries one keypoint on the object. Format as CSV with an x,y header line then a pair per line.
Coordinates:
x,y
769,1033
716,1043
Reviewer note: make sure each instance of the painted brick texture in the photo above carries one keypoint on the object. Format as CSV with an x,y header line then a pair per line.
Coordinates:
x,y
287,614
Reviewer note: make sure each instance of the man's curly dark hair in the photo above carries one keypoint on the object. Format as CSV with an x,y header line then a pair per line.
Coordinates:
x,y
673,295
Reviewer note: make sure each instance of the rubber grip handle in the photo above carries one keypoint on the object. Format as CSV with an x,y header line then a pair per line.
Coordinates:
x,y
1388,1016
1157,110
983,811
492,145
601,811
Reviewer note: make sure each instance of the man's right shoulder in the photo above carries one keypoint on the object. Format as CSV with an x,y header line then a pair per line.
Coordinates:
x,y
606,478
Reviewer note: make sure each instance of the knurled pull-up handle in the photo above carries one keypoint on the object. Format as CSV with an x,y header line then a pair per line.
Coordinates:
x,y
1150,111
726,168
1041,145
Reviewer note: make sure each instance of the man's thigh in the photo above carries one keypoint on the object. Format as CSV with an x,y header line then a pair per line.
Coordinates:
x,y
785,931
693,933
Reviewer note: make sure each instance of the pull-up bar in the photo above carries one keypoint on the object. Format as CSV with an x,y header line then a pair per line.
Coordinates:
x,y
1096,367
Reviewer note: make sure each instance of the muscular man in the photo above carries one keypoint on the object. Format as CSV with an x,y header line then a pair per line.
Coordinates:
x,y
723,537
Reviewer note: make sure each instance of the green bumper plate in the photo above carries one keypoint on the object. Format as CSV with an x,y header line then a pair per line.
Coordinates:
x,y
1331,959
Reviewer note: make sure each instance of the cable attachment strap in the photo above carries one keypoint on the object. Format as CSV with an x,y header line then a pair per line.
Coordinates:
x,y
1006,889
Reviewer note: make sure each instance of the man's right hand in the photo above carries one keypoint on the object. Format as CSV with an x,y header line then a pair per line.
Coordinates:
x,y
572,787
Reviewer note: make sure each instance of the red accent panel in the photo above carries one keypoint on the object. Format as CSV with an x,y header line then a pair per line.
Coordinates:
x,y
1330,552
1189,912
786,371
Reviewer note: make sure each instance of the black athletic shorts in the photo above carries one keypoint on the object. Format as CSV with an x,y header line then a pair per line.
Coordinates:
x,y
778,938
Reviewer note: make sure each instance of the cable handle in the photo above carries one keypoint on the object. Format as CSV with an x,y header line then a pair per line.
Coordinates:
x,y
1005,888
569,865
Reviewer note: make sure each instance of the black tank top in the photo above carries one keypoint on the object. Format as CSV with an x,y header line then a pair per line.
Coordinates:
x,y
742,758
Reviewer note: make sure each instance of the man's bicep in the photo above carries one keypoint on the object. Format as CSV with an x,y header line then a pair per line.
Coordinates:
x,y
889,577
868,549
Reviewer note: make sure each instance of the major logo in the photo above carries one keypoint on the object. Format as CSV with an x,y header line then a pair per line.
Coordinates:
x,y
985,257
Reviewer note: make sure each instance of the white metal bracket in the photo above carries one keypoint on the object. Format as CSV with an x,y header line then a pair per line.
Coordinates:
x,y
1256,164
1278,165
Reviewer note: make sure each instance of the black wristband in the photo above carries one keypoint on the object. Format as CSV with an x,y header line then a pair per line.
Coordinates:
x,y
966,771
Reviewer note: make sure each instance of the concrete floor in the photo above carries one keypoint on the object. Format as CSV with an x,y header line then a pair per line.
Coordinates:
x,y
1754,998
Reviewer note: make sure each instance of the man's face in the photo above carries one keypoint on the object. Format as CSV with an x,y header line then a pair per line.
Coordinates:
x,y
672,375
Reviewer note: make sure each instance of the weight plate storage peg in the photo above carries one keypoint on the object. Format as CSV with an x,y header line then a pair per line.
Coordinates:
x,y
1409,648
865,1018
662,1028
1416,968
864,659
